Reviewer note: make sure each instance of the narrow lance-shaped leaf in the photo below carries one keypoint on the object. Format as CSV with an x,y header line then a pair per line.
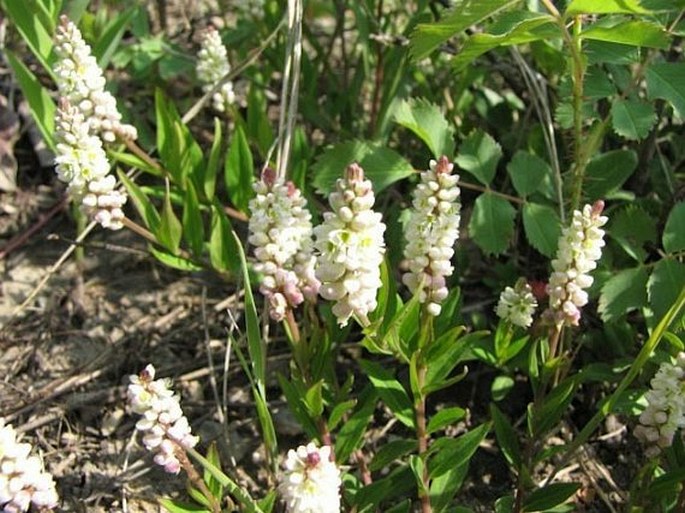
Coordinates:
x,y
212,168
193,227
239,171
170,229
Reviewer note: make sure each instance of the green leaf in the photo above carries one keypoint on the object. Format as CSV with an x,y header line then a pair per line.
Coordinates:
x,y
33,29
314,399
399,482
213,484
666,80
622,293
170,229
258,127
631,227
351,434
542,226
444,418
607,172
390,452
108,41
133,161
446,451
597,84
492,223
665,283
630,32
418,467
674,232
212,169
479,155
632,119
143,205
294,395
501,386
513,28
555,405
339,411
173,261
381,165
550,496
428,123
506,437
428,36
239,171
221,243
527,172
611,53
391,391
193,226
42,106
605,7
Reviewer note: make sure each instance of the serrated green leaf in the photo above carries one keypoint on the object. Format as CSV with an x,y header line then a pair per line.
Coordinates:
x,y
143,205
391,391
674,232
527,172
597,84
176,262
444,418
512,28
428,123
479,154
170,229
550,496
239,171
632,119
666,80
542,226
506,437
428,36
664,285
622,293
632,227
563,114
605,7
607,172
631,32
42,106
492,223
611,53
193,226
381,165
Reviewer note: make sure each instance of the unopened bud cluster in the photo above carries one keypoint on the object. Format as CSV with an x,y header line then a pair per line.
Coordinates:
x,y
80,81
580,246
166,429
82,163
517,305
431,233
212,66
665,412
350,247
23,481
281,233
311,481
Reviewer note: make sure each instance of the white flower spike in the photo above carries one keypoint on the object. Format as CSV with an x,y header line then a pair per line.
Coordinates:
x,y
311,481
350,248
281,232
23,481
166,429
580,246
517,305
212,66
431,232
80,81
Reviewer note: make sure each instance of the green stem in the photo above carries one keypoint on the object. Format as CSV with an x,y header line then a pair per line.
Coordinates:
x,y
578,74
425,338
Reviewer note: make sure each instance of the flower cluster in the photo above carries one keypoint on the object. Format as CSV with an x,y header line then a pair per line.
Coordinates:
x,y
82,163
80,81
431,232
351,247
517,305
166,428
580,246
281,232
311,481
665,411
212,66
22,479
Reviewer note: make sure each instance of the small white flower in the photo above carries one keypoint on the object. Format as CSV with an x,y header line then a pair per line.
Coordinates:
x,y
80,81
517,305
166,429
212,66
350,248
22,479
665,411
281,232
431,232
311,481
580,246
